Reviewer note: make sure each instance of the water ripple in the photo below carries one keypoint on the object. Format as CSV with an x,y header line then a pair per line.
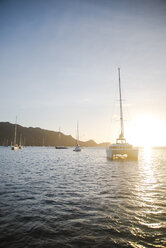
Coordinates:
x,y
58,198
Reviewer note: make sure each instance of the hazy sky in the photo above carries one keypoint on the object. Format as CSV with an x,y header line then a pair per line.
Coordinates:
x,y
59,60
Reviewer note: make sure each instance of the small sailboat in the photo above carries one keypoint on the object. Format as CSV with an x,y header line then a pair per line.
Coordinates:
x,y
121,149
59,138
77,148
20,143
15,146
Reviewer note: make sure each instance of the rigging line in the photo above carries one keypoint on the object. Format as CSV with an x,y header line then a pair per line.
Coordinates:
x,y
111,114
121,110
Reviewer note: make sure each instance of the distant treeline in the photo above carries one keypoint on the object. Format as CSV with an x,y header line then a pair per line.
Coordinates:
x,y
38,137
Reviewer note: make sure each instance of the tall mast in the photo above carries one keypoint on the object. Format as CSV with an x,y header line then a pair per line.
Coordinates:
x,y
121,110
15,132
77,134
59,136
20,139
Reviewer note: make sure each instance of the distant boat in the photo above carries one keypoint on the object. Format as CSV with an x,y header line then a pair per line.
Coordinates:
x,y
77,148
15,146
59,139
20,143
61,147
121,149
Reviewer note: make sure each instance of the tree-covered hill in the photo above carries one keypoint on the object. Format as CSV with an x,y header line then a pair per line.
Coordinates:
x,y
30,136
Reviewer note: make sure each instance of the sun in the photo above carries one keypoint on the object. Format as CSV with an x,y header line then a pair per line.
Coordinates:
x,y
146,131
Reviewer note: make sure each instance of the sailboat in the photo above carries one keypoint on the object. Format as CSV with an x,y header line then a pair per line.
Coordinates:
x,y
121,149
20,143
77,148
15,146
59,138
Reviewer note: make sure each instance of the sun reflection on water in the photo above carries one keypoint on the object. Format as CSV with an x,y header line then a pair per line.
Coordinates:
x,y
148,169
147,154
148,200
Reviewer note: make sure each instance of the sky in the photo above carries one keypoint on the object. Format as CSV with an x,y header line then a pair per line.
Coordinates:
x,y
59,60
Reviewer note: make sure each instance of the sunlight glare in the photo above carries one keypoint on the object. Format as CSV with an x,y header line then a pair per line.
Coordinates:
x,y
146,131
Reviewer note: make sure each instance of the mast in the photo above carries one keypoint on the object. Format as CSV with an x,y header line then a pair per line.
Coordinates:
x,y
43,140
121,136
15,132
20,139
77,135
59,136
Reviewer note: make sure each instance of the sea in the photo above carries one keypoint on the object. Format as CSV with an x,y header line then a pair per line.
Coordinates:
x,y
62,199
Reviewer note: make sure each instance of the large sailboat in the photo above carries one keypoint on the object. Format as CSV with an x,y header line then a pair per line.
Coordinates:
x,y
77,148
121,149
15,146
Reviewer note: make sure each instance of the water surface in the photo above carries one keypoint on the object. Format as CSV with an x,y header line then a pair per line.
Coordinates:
x,y
60,198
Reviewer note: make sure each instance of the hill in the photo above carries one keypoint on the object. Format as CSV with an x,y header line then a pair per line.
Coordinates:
x,y
31,136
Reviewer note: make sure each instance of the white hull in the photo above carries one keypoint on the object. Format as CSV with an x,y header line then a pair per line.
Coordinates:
x,y
77,149
15,148
127,153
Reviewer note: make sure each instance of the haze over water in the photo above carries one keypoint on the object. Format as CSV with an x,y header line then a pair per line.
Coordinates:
x,y
59,61
57,198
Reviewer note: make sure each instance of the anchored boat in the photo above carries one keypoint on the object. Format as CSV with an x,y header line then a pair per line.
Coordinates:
x,y
15,146
60,146
121,149
77,148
